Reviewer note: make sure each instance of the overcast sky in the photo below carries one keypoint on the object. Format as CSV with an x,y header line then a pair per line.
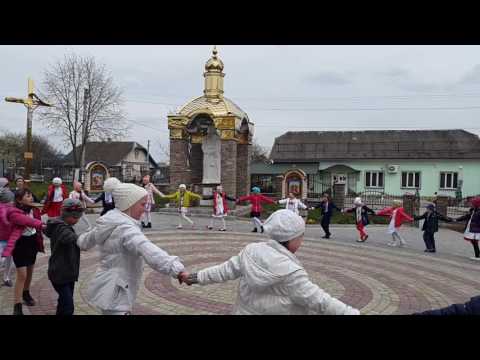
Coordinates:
x,y
281,88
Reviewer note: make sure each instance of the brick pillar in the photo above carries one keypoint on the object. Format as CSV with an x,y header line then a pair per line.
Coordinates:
x,y
179,171
243,169
196,164
442,204
229,167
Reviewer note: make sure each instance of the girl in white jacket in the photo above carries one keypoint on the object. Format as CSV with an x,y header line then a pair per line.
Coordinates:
x,y
123,249
272,279
292,203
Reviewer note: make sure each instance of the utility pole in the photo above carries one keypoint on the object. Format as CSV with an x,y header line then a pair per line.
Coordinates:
x,y
31,102
86,95
148,157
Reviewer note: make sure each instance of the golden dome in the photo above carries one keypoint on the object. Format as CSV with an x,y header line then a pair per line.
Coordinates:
x,y
224,107
214,63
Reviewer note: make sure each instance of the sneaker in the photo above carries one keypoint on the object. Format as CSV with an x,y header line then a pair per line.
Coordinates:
x,y
475,258
143,224
17,309
222,229
149,225
179,227
392,244
209,227
365,238
27,298
7,283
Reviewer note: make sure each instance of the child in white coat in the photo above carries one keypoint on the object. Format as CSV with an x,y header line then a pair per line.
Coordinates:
x,y
123,251
292,203
272,279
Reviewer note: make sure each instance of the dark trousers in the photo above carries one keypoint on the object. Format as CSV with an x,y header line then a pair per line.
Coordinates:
x,y
475,248
65,298
429,239
326,225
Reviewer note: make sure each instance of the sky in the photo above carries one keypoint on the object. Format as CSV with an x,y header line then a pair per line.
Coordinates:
x,y
282,88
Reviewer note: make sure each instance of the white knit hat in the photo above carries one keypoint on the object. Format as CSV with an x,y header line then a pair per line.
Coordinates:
x,y
357,201
3,182
182,186
57,181
126,195
110,184
284,225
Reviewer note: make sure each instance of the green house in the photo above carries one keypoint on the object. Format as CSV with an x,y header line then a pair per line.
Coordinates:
x,y
446,162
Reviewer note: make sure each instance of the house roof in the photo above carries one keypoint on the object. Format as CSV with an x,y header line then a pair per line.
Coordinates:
x,y
109,152
314,146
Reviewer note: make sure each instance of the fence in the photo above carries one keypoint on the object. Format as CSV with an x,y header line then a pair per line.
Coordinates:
x,y
373,199
459,207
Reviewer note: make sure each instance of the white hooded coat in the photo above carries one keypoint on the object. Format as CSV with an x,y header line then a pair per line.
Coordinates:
x,y
273,282
123,250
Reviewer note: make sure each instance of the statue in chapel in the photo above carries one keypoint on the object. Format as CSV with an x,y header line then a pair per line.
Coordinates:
x,y
211,147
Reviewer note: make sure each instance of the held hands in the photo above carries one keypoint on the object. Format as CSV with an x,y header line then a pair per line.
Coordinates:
x,y
187,278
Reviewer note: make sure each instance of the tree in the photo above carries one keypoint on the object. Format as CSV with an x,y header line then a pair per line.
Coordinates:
x,y
12,146
63,85
259,152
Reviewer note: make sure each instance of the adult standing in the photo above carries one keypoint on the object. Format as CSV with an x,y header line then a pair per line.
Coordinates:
x,y
123,251
20,184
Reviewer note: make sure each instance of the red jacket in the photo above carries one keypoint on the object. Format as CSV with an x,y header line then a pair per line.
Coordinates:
x,y
50,192
400,218
19,221
256,201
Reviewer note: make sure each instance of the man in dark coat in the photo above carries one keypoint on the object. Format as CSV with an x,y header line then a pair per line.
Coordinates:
x,y
64,262
430,226
327,207
471,307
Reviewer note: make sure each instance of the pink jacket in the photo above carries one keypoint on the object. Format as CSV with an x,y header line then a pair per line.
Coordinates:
x,y
400,218
19,221
5,226
256,201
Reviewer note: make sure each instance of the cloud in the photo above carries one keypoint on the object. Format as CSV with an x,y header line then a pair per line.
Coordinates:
x,y
471,77
329,78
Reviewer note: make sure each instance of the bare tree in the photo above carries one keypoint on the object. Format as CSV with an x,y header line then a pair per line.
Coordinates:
x,y
103,117
259,152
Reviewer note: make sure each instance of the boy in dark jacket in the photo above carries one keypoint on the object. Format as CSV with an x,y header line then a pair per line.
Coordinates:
x,y
64,262
327,207
430,226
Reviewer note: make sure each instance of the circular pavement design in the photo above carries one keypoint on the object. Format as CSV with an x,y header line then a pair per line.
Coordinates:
x,y
374,279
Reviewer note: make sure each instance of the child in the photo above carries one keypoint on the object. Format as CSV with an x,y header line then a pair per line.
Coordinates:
x,y
56,194
106,197
292,203
397,218
64,261
472,229
220,207
256,199
327,206
6,204
430,226
272,279
361,217
471,307
147,185
24,242
79,194
184,200
123,250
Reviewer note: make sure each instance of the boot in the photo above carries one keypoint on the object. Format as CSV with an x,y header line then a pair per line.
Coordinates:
x,y
29,301
17,309
254,230
143,224
149,225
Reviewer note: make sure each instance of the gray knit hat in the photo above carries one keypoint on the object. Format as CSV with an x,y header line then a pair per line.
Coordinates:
x,y
6,196
73,208
3,182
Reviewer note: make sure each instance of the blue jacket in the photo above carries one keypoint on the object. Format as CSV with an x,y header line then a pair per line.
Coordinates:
x,y
471,307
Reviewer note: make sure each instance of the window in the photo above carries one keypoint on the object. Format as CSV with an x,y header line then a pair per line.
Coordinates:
x,y
411,180
374,179
448,180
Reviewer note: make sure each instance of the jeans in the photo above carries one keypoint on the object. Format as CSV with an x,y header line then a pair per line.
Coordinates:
x,y
65,298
